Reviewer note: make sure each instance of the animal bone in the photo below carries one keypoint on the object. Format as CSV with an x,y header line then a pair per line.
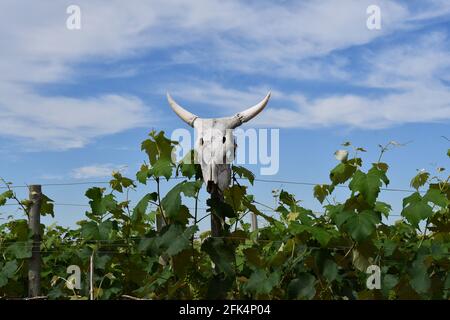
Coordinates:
x,y
215,144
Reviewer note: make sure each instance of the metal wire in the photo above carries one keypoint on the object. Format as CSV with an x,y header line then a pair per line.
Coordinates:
x,y
180,178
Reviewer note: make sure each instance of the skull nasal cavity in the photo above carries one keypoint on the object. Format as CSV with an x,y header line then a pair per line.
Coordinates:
x,y
224,139
201,141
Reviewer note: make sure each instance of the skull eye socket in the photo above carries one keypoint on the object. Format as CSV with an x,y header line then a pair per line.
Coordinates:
x,y
201,141
224,139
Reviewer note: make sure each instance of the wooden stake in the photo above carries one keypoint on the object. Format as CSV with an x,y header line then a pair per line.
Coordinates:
x,y
34,223
91,276
254,222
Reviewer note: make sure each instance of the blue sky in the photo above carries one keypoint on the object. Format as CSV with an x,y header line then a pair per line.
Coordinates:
x,y
75,104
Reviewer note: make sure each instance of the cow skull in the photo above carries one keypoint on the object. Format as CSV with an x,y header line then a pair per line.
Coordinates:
x,y
215,145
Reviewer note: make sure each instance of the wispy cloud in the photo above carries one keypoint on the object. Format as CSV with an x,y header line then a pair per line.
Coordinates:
x,y
408,76
96,171
292,40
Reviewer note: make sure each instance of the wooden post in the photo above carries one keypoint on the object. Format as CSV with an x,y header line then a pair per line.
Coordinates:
x,y
254,222
159,222
91,276
34,224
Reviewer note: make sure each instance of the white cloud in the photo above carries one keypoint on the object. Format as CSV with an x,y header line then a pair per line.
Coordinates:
x,y
62,122
96,171
408,76
277,39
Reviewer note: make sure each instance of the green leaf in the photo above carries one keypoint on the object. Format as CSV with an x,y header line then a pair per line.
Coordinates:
x,y
220,253
143,174
344,171
175,239
389,281
262,283
100,204
234,195
318,233
220,208
5,196
321,191
302,287
436,197
162,168
119,182
253,258
182,263
244,173
218,286
368,185
190,188
105,230
287,198
47,206
420,179
340,217
89,230
150,147
362,225
326,266
100,261
419,278
416,208
141,207
188,166
383,208
20,250
171,203
9,268
7,272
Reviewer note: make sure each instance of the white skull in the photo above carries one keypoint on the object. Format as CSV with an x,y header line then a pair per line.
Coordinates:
x,y
215,143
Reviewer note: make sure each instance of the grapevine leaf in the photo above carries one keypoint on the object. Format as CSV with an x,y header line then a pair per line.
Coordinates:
x,y
420,279
344,171
321,191
262,283
141,207
383,208
362,225
5,196
143,174
436,197
221,254
416,208
244,173
302,287
175,239
47,206
420,179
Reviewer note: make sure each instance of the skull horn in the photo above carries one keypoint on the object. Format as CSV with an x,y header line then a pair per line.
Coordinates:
x,y
250,113
185,115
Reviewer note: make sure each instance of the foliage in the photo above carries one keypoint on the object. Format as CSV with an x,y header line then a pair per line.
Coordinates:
x,y
155,251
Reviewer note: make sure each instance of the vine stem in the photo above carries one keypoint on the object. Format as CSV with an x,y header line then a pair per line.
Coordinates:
x,y
195,224
159,201
348,252
14,196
